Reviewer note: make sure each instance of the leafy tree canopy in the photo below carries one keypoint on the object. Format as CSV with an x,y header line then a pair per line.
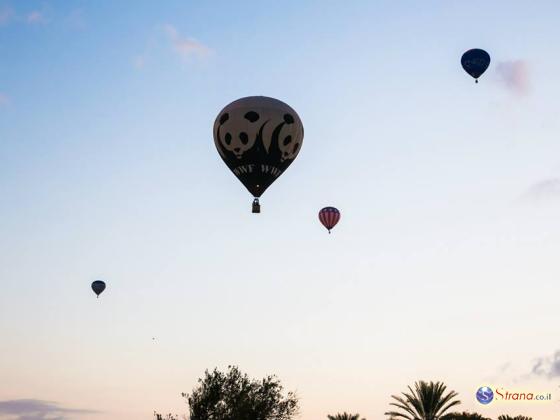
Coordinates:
x,y
232,395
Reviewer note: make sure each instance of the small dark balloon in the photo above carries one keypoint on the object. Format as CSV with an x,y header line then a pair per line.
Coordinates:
x,y
98,287
475,62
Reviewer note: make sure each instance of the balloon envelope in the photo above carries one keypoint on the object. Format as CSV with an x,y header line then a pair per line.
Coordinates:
x,y
258,138
329,217
475,62
98,286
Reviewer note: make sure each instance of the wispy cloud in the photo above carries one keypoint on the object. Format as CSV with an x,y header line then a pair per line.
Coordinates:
x,y
514,75
548,366
6,15
500,373
139,61
75,20
545,190
4,99
31,409
185,47
36,17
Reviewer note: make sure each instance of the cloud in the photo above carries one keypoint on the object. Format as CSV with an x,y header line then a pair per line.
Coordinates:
x,y
75,20
546,190
164,37
548,367
31,409
185,47
35,18
501,372
139,61
514,75
4,99
6,15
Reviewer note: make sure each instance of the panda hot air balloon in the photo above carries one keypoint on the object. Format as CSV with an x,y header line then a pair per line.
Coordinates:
x,y
475,62
98,286
329,217
258,138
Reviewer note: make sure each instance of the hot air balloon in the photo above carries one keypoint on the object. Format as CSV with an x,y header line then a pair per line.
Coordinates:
x,y
258,138
98,286
475,62
329,217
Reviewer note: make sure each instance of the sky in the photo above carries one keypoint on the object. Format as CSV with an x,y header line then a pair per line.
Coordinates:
x,y
444,265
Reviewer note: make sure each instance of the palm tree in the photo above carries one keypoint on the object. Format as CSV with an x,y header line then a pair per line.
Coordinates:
x,y
428,401
508,417
345,416
464,416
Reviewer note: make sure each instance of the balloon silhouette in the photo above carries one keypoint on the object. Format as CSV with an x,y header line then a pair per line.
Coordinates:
x,y
98,286
258,138
475,62
329,217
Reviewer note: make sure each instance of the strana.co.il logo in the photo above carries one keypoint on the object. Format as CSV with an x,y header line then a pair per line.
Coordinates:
x,y
485,395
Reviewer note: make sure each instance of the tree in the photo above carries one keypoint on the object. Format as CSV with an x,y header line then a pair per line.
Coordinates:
x,y
428,401
464,416
508,417
345,416
167,417
232,395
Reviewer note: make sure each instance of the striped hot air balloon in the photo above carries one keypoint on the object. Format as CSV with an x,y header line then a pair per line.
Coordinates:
x,y
329,217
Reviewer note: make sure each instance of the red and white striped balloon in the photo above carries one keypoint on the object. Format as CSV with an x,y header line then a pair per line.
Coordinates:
x,y
329,217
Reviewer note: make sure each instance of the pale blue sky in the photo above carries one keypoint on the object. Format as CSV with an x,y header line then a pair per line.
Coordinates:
x,y
449,193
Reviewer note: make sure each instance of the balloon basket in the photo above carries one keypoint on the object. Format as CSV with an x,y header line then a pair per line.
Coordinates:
x,y
256,206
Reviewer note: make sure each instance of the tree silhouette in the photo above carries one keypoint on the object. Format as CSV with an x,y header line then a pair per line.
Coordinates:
x,y
345,416
428,401
232,395
464,416
167,417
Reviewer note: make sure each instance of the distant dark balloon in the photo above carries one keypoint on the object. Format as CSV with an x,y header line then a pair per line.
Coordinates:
x,y
258,138
329,217
475,62
98,286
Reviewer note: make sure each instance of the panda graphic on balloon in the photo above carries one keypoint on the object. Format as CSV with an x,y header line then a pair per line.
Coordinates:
x,y
258,138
